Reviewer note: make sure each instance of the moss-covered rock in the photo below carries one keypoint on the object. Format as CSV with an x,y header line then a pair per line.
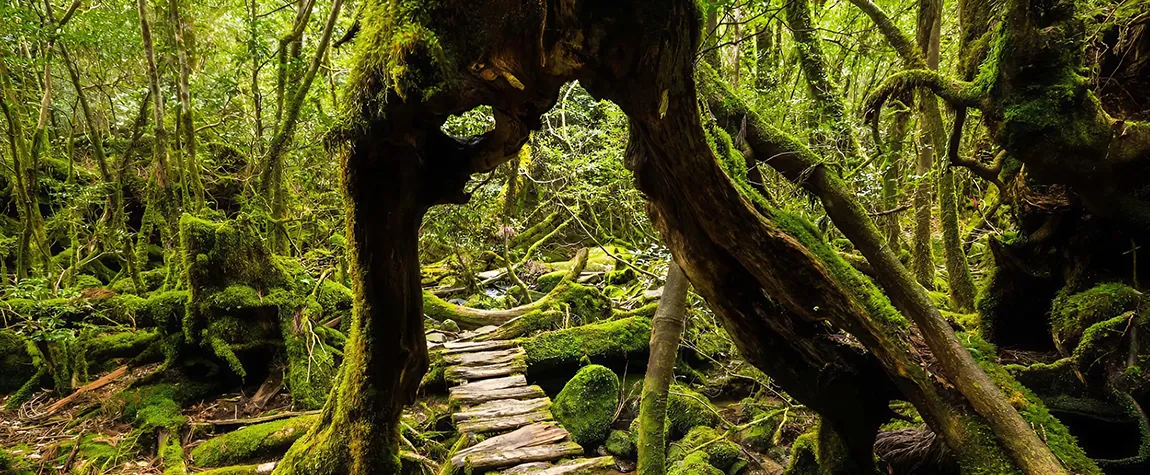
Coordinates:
x,y
619,444
687,409
721,452
1071,315
804,460
253,443
587,404
695,464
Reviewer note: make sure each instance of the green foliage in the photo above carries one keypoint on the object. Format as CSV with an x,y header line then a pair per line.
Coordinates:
x,y
15,363
586,406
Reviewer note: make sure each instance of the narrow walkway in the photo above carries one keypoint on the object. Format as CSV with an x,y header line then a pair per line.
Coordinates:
x,y
492,395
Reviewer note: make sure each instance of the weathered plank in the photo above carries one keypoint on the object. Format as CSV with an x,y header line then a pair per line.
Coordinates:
x,y
578,466
486,357
502,408
532,435
452,347
468,394
506,458
512,381
495,424
460,373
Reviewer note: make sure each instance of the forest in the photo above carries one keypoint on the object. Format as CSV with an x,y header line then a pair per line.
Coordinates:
x,y
663,237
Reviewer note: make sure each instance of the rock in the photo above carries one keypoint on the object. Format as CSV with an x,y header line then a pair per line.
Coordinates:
x,y
655,294
619,444
436,337
458,301
587,404
721,453
449,325
694,464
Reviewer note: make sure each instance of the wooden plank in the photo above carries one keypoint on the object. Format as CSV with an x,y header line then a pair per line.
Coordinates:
x,y
460,373
512,381
454,347
487,461
502,408
486,357
495,424
466,395
578,466
532,435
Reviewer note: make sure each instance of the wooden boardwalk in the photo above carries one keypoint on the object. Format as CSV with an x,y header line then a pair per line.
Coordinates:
x,y
492,396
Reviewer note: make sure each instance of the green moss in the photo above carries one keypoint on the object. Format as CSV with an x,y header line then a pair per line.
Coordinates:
x,y
14,465
600,342
985,456
721,452
687,409
92,456
583,301
587,404
548,281
619,444
804,460
1072,314
695,464
154,407
173,455
16,364
253,443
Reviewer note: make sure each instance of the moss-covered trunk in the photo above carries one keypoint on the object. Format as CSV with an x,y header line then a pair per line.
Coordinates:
x,y
666,331
386,354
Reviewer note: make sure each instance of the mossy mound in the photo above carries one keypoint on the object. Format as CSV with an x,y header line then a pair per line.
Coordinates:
x,y
619,444
687,409
587,404
721,452
804,459
1071,315
695,464
253,443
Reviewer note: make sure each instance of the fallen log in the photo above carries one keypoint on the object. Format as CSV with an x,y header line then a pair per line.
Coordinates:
x,y
472,318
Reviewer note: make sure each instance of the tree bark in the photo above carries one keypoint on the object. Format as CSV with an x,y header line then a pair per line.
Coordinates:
x,y
666,330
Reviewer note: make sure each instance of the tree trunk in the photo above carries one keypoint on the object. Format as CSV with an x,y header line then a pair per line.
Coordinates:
x,y
666,330
181,25
828,102
386,354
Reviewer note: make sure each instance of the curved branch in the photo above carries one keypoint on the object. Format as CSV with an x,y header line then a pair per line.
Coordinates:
x,y
956,93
